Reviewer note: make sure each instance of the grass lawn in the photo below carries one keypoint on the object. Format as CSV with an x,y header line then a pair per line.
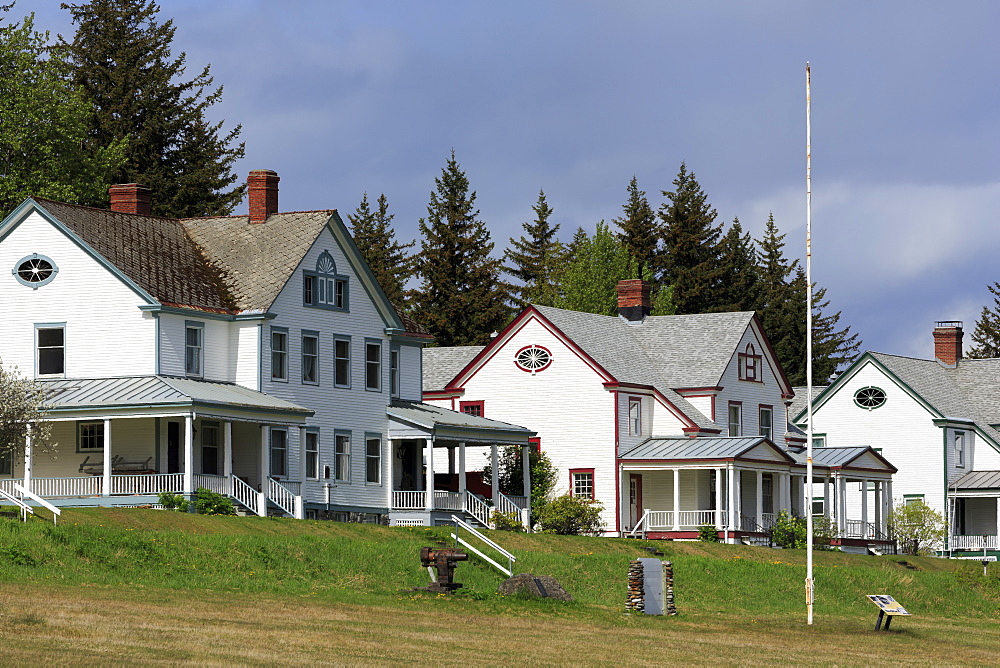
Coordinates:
x,y
149,587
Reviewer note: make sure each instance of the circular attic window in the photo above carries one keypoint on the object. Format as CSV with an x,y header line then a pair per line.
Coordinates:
x,y
533,358
869,397
35,270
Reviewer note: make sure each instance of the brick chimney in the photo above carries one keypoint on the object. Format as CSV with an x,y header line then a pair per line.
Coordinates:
x,y
634,302
130,198
262,185
948,342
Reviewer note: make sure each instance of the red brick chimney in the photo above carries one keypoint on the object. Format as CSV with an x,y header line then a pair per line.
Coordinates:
x,y
262,185
130,198
948,342
634,302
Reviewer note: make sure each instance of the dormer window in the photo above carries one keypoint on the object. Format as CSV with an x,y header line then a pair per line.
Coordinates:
x,y
324,287
750,364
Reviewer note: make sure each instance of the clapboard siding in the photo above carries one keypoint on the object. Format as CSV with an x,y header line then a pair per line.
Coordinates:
x,y
565,403
410,372
665,422
108,336
751,395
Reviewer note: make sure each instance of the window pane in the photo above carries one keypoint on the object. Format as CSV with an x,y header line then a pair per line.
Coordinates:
x,y
373,460
342,363
279,355
310,286
343,463
50,337
373,366
50,360
339,300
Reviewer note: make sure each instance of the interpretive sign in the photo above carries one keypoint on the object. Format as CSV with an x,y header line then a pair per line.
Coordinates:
x,y
888,607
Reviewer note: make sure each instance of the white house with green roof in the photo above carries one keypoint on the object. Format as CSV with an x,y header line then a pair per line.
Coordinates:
x,y
938,420
253,355
671,422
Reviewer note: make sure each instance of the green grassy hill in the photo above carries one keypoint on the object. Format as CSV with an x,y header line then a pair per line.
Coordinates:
x,y
129,556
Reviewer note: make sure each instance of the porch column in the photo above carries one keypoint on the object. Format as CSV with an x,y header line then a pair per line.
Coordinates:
x,y
731,506
106,477
227,449
738,498
461,472
451,460
28,456
887,496
677,499
879,492
718,499
760,498
188,453
864,509
495,475
429,474
842,503
265,459
526,470
828,510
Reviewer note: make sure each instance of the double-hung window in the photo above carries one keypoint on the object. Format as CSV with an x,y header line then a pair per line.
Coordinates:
x,y
310,358
373,366
89,436
635,416
765,422
735,419
210,448
373,459
312,455
960,449
394,372
194,342
279,354
342,362
279,452
342,456
582,483
51,349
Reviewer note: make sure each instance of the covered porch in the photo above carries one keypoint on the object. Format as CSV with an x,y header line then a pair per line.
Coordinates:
x,y
974,521
122,441
433,454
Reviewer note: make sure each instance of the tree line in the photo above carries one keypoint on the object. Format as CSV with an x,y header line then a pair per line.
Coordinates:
x,y
462,292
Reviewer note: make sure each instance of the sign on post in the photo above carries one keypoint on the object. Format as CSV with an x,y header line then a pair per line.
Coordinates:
x,y
888,607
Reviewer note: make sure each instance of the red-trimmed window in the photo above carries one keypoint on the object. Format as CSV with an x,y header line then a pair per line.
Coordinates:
x,y
735,418
750,364
536,443
476,408
634,416
581,483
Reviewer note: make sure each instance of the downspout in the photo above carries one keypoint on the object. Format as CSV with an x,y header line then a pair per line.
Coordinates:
x,y
947,501
618,492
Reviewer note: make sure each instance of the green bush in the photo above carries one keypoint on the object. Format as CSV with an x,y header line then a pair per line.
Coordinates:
x,y
919,528
506,521
172,501
572,516
790,531
708,534
207,502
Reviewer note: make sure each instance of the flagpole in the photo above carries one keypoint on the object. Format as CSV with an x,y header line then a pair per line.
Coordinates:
x,y
810,583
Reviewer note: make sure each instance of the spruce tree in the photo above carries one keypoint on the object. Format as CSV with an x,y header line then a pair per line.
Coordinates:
x,y
774,299
741,284
461,299
536,259
640,232
388,259
986,335
122,62
591,281
691,246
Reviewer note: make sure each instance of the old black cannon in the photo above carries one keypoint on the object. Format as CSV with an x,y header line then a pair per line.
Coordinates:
x,y
443,561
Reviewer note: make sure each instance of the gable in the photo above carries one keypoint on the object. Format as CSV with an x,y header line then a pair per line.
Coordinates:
x,y
753,361
763,452
867,460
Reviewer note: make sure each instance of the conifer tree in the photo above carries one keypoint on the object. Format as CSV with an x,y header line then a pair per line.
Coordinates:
x,y
774,299
691,246
986,335
388,259
640,232
122,62
461,299
591,280
536,259
43,126
741,284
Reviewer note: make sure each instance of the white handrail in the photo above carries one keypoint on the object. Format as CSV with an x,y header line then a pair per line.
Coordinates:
x,y
19,488
640,523
281,496
509,571
25,508
477,508
248,496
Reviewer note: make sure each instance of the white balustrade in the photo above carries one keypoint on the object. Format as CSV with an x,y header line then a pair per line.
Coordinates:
x,y
447,500
281,496
153,483
974,542
511,504
248,496
214,483
54,487
477,508
408,500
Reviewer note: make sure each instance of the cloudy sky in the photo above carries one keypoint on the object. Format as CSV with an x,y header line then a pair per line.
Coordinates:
x,y
346,97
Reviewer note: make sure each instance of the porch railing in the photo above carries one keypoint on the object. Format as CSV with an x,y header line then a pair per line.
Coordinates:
x,y
409,500
687,520
248,496
281,496
974,542
477,508
55,487
511,504
146,484
447,500
214,483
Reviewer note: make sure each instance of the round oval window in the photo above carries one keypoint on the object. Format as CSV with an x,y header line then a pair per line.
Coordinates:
x,y
533,358
869,397
35,270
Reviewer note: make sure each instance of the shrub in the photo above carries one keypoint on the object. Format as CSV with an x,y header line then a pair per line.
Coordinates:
x,y
572,516
506,521
789,531
172,501
919,528
708,534
207,502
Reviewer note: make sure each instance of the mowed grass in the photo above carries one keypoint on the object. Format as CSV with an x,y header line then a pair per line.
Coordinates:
x,y
140,587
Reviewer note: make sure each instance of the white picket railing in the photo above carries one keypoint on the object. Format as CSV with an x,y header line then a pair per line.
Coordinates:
x,y
506,504
281,496
54,487
478,509
447,500
974,542
409,500
687,520
248,496
153,483
214,483
767,520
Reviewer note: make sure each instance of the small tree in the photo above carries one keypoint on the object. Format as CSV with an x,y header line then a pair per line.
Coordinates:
x,y
543,475
986,336
22,411
572,516
919,528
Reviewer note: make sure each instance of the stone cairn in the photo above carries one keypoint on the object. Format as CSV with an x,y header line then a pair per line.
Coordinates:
x,y
635,600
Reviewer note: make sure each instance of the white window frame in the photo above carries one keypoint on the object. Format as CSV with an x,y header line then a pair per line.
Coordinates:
x,y
278,452
312,454
960,449
373,367
97,437
342,456
279,354
769,431
194,353
635,416
39,328
394,372
342,363
583,484
735,427
373,459
313,356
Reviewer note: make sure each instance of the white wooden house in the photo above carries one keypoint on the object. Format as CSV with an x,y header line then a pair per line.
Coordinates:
x,y
254,355
671,422
937,419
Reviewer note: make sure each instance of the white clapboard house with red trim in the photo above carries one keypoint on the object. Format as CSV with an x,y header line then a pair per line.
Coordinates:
x,y
671,422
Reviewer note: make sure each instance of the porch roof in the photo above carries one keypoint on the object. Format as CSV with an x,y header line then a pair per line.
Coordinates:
x,y
846,456
124,394
413,419
978,480
683,447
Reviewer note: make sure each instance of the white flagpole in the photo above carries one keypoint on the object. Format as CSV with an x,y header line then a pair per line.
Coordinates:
x,y
810,583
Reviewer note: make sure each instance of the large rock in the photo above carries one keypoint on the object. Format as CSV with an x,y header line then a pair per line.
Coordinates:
x,y
543,586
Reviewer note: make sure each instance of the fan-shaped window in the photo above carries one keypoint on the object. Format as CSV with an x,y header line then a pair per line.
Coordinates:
x,y
35,270
533,358
324,287
869,397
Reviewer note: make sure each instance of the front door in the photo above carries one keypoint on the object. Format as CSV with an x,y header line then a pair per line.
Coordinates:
x,y
173,447
634,499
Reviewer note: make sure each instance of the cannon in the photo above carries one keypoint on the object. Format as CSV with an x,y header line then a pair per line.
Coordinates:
x,y
443,561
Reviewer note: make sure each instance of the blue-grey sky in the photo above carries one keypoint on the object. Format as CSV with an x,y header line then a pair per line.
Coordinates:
x,y
347,97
